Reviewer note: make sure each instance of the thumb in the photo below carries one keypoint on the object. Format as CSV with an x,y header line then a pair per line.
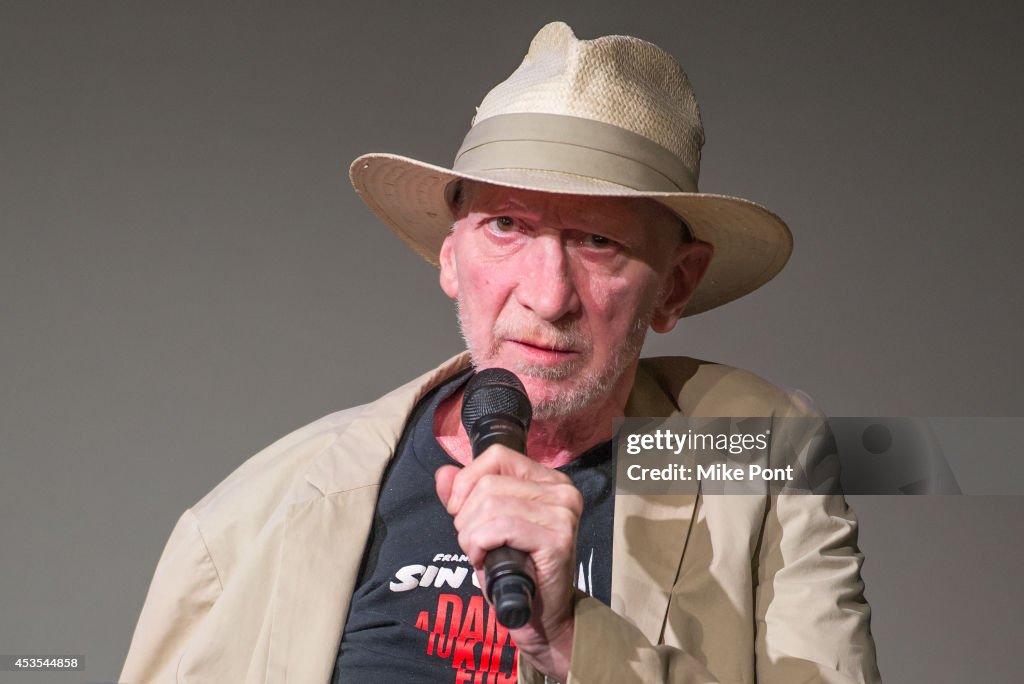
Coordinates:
x,y
443,478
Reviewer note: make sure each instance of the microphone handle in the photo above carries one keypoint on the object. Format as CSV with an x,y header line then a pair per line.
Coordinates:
x,y
497,429
507,583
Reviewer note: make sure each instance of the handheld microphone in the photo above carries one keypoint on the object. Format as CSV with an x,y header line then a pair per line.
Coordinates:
x,y
496,410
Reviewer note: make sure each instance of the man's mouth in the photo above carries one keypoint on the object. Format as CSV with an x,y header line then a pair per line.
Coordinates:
x,y
543,352
545,346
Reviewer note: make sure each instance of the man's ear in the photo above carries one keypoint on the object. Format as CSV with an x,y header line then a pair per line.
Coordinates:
x,y
449,272
688,267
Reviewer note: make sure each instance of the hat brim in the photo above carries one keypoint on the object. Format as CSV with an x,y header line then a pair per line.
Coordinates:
x,y
751,243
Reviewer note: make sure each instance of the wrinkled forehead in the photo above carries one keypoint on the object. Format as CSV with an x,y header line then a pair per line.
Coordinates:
x,y
465,196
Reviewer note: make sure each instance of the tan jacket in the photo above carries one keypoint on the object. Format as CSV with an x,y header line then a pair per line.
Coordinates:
x,y
255,582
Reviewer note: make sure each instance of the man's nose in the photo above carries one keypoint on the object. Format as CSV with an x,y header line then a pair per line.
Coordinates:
x,y
547,286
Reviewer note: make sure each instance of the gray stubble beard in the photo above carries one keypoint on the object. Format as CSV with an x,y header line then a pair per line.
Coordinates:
x,y
592,386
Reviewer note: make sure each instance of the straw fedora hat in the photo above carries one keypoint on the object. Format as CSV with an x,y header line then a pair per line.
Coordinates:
x,y
612,117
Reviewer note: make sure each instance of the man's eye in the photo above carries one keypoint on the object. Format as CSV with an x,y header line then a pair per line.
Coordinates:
x,y
502,224
598,241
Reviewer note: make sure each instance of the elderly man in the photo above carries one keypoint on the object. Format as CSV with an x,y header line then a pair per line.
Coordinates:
x,y
351,550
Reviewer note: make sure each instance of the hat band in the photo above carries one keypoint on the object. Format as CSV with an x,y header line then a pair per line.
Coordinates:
x,y
570,144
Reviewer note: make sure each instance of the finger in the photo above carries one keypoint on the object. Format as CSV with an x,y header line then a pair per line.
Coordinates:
x,y
549,540
492,491
502,460
525,525
498,460
443,478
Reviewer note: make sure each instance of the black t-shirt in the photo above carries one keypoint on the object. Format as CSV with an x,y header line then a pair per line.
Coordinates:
x,y
418,613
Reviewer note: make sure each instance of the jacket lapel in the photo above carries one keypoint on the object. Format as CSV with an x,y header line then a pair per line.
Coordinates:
x,y
650,532
650,537
325,530
319,565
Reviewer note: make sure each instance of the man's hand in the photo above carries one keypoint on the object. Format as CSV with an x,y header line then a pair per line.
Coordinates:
x,y
504,498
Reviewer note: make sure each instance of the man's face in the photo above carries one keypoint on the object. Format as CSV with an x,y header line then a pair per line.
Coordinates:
x,y
561,289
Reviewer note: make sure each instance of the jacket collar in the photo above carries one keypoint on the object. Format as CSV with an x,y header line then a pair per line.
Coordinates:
x,y
360,454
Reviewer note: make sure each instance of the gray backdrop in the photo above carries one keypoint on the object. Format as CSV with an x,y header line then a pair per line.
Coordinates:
x,y
186,274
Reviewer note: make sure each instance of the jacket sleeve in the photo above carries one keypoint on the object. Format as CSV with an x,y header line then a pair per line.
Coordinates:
x,y
813,623
811,618
185,586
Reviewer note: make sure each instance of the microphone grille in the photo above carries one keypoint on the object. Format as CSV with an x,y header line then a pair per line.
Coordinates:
x,y
495,391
